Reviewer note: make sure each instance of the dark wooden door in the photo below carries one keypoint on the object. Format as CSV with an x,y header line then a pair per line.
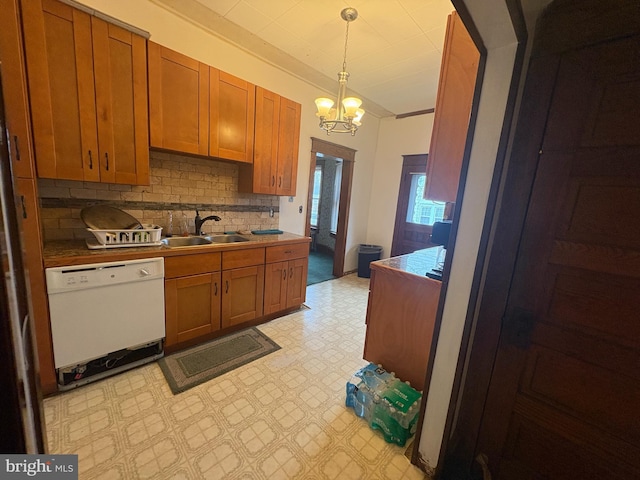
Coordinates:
x,y
409,236
565,390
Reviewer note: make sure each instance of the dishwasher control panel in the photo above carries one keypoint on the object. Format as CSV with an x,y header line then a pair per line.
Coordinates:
x,y
62,279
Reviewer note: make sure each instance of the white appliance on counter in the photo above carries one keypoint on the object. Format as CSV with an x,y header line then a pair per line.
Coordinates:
x,y
105,318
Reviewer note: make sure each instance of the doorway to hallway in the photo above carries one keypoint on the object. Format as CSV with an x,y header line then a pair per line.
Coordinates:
x,y
330,178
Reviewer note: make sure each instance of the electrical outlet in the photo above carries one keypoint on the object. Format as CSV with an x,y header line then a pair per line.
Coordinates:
x,y
300,209
290,199
271,212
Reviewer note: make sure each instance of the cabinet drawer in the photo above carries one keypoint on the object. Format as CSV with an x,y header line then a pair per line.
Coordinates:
x,y
242,258
282,253
183,265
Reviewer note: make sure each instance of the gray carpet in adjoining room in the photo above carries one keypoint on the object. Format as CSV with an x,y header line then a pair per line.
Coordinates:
x,y
320,268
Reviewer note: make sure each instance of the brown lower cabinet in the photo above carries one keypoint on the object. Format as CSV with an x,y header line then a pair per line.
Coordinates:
x,y
208,292
192,307
401,315
191,296
286,280
242,295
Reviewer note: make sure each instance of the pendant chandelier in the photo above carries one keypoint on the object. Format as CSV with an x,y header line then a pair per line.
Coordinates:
x,y
346,116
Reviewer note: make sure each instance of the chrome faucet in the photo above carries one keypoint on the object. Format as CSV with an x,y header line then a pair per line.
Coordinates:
x,y
199,221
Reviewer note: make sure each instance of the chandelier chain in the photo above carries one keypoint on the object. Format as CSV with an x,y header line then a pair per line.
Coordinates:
x,y
346,41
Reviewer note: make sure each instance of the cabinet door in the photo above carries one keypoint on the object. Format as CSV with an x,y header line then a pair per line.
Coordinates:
x,y
192,307
400,320
453,109
297,282
120,65
288,141
242,295
15,90
61,89
178,101
27,203
265,157
275,287
231,117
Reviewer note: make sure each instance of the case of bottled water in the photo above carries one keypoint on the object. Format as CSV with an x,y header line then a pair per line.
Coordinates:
x,y
385,402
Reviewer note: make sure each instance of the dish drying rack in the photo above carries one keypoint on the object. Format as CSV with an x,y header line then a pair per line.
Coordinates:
x,y
147,236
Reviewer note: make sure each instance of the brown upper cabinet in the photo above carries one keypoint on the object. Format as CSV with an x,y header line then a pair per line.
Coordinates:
x,y
14,80
277,137
458,72
88,89
231,117
198,109
178,101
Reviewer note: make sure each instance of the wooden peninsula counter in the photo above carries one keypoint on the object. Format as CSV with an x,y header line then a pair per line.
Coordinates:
x,y
401,314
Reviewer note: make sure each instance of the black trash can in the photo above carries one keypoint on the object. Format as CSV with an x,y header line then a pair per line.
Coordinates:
x,y
366,255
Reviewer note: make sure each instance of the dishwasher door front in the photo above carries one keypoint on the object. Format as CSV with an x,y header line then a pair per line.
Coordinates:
x,y
101,308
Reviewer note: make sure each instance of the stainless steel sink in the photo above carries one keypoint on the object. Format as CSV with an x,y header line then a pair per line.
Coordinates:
x,y
174,242
185,241
226,238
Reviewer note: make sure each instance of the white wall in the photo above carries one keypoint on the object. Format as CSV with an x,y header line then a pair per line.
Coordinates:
x,y
176,33
406,136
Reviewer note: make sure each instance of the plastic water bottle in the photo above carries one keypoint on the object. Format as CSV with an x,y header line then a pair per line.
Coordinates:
x,y
365,389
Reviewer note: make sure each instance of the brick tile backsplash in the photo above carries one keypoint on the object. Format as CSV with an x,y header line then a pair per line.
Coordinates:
x,y
178,184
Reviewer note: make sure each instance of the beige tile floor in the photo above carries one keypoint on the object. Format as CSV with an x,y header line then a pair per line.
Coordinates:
x,y
279,417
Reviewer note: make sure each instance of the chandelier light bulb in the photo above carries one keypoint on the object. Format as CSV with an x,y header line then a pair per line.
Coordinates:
x,y
358,118
323,105
351,105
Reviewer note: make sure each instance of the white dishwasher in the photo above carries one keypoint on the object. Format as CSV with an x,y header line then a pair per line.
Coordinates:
x,y
105,318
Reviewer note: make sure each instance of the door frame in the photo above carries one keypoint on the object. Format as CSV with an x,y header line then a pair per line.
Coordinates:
x,y
348,156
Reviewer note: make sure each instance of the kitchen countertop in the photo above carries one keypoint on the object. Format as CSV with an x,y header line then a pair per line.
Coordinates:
x,y
61,253
417,263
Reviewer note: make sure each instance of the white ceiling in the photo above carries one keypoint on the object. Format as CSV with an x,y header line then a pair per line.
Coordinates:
x,y
393,54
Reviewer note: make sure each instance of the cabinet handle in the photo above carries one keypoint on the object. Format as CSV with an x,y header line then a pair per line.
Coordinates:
x,y
216,289
279,182
284,274
227,286
291,272
106,156
24,207
15,140
273,180
90,161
